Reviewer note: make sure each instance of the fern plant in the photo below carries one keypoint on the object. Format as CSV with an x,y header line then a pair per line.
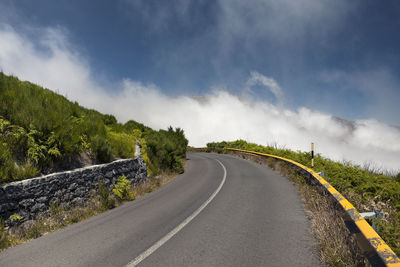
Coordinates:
x,y
123,190
15,217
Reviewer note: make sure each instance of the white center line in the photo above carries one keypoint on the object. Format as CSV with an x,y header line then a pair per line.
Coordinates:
x,y
167,237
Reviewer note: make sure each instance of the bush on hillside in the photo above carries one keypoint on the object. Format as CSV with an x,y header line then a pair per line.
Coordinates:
x,y
167,150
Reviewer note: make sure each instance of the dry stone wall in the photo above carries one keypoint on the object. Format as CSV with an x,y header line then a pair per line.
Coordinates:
x,y
33,197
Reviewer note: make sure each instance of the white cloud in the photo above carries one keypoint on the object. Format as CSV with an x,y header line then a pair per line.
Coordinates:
x,y
216,116
257,78
50,62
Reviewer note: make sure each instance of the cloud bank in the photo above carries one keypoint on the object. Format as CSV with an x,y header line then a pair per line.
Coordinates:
x,y
219,115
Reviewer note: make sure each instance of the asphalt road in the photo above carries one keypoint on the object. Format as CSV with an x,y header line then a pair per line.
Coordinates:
x,y
223,211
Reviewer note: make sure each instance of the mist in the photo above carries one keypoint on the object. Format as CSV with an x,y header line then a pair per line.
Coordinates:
x,y
221,115
215,116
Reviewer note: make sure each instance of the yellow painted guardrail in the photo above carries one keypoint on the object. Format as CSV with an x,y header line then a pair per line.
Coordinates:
x,y
373,246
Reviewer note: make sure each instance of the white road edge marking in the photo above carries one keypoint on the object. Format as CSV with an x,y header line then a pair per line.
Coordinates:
x,y
167,237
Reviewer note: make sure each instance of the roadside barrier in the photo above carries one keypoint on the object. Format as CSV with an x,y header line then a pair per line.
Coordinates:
x,y
371,244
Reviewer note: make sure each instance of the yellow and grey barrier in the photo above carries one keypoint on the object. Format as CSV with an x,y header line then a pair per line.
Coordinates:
x,y
373,246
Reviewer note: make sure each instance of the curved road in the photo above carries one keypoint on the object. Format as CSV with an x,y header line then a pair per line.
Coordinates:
x,y
223,211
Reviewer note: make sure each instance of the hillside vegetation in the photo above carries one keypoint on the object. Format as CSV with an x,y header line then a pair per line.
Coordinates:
x,y
366,190
41,132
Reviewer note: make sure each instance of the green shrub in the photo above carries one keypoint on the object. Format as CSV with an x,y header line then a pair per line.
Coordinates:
x,y
26,170
123,144
106,202
216,147
166,150
101,147
123,190
75,219
7,167
34,231
55,209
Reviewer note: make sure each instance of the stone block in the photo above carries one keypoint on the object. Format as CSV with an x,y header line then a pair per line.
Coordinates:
x,y
80,192
26,203
73,187
38,207
42,199
109,174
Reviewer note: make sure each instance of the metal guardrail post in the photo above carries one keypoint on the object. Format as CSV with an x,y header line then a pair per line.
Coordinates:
x,y
372,214
312,154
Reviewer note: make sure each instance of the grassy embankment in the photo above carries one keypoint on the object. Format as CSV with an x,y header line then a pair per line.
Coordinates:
x,y
365,189
42,132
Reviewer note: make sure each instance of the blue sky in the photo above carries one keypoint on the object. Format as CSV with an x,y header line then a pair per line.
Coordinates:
x,y
297,64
